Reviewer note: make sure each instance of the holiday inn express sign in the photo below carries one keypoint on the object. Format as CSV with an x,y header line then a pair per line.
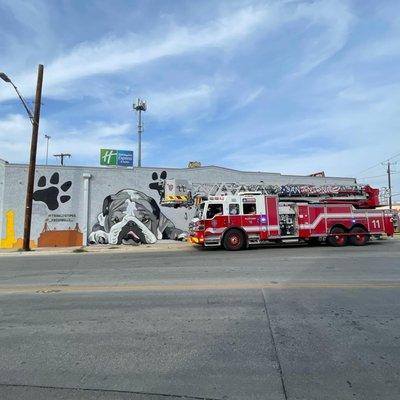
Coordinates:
x,y
121,158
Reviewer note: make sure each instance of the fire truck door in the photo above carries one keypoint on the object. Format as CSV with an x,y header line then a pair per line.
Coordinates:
x,y
249,217
303,214
271,219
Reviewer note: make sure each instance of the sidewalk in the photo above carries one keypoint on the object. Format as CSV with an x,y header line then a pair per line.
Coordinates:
x,y
161,245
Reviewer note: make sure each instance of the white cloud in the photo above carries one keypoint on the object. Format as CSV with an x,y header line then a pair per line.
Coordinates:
x,y
108,131
377,50
15,137
111,55
333,19
246,99
30,38
178,102
83,144
348,106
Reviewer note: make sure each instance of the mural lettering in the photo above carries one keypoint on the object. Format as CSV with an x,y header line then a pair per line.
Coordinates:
x,y
61,218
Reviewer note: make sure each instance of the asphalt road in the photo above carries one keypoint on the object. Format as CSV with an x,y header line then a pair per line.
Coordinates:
x,y
271,323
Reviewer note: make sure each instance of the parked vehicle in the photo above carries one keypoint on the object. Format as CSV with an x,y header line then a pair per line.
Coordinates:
x,y
239,215
239,221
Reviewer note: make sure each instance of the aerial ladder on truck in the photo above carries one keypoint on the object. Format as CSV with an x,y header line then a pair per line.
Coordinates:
x,y
180,193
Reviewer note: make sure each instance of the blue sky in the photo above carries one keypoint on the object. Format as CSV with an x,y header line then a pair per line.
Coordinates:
x,y
282,86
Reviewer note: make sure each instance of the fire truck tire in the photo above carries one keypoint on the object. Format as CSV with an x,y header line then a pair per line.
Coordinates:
x,y
234,240
337,237
359,236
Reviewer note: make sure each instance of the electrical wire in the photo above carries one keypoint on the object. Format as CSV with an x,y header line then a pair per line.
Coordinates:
x,y
379,176
379,163
371,177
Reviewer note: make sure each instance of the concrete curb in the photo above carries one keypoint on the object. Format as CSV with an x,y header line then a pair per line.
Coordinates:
x,y
161,246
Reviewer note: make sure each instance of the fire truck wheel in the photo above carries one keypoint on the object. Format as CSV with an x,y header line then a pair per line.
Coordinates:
x,y
337,237
359,236
234,240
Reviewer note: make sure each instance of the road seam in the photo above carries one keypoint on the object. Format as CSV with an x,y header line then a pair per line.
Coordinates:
x,y
274,347
178,396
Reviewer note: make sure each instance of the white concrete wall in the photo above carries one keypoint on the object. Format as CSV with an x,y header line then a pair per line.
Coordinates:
x,y
108,181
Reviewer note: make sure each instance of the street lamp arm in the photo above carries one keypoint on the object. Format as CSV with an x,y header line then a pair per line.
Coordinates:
x,y
29,112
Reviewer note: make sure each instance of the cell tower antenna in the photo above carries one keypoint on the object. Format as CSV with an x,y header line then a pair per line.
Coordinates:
x,y
140,106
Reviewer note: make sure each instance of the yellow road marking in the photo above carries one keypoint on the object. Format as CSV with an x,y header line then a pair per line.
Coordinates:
x,y
194,286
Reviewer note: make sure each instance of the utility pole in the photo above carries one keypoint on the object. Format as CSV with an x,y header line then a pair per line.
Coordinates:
x,y
139,107
62,156
47,147
389,185
32,160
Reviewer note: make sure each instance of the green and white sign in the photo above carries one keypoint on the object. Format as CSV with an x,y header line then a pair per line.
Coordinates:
x,y
122,158
108,157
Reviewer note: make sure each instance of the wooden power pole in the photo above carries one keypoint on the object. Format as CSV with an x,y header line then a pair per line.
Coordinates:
x,y
389,185
62,156
32,160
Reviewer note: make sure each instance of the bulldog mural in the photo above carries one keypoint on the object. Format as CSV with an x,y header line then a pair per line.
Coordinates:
x,y
132,217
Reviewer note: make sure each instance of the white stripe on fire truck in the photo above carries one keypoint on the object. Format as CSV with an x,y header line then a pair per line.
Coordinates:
x,y
259,228
332,216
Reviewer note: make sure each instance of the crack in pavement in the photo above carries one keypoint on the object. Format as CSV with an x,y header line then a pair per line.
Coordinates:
x,y
68,274
166,395
274,347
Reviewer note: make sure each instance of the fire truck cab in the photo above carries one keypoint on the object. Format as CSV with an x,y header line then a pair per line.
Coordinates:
x,y
245,219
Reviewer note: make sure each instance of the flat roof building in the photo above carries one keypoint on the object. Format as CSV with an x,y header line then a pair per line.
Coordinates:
x,y
75,204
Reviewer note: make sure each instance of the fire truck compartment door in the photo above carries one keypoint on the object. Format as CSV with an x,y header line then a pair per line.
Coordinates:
x,y
304,219
272,222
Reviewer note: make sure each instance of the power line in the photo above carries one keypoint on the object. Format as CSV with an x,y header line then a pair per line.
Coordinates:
x,y
379,176
379,163
371,177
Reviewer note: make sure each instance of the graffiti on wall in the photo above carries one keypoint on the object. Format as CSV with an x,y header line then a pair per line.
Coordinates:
x,y
60,229
9,241
132,217
51,194
158,183
312,190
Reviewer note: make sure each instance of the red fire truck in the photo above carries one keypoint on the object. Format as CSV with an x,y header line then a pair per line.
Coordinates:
x,y
339,216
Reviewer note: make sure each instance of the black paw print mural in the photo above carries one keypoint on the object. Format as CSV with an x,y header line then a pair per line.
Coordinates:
x,y
158,183
50,194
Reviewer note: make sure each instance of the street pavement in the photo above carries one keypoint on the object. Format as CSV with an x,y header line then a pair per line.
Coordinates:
x,y
292,322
